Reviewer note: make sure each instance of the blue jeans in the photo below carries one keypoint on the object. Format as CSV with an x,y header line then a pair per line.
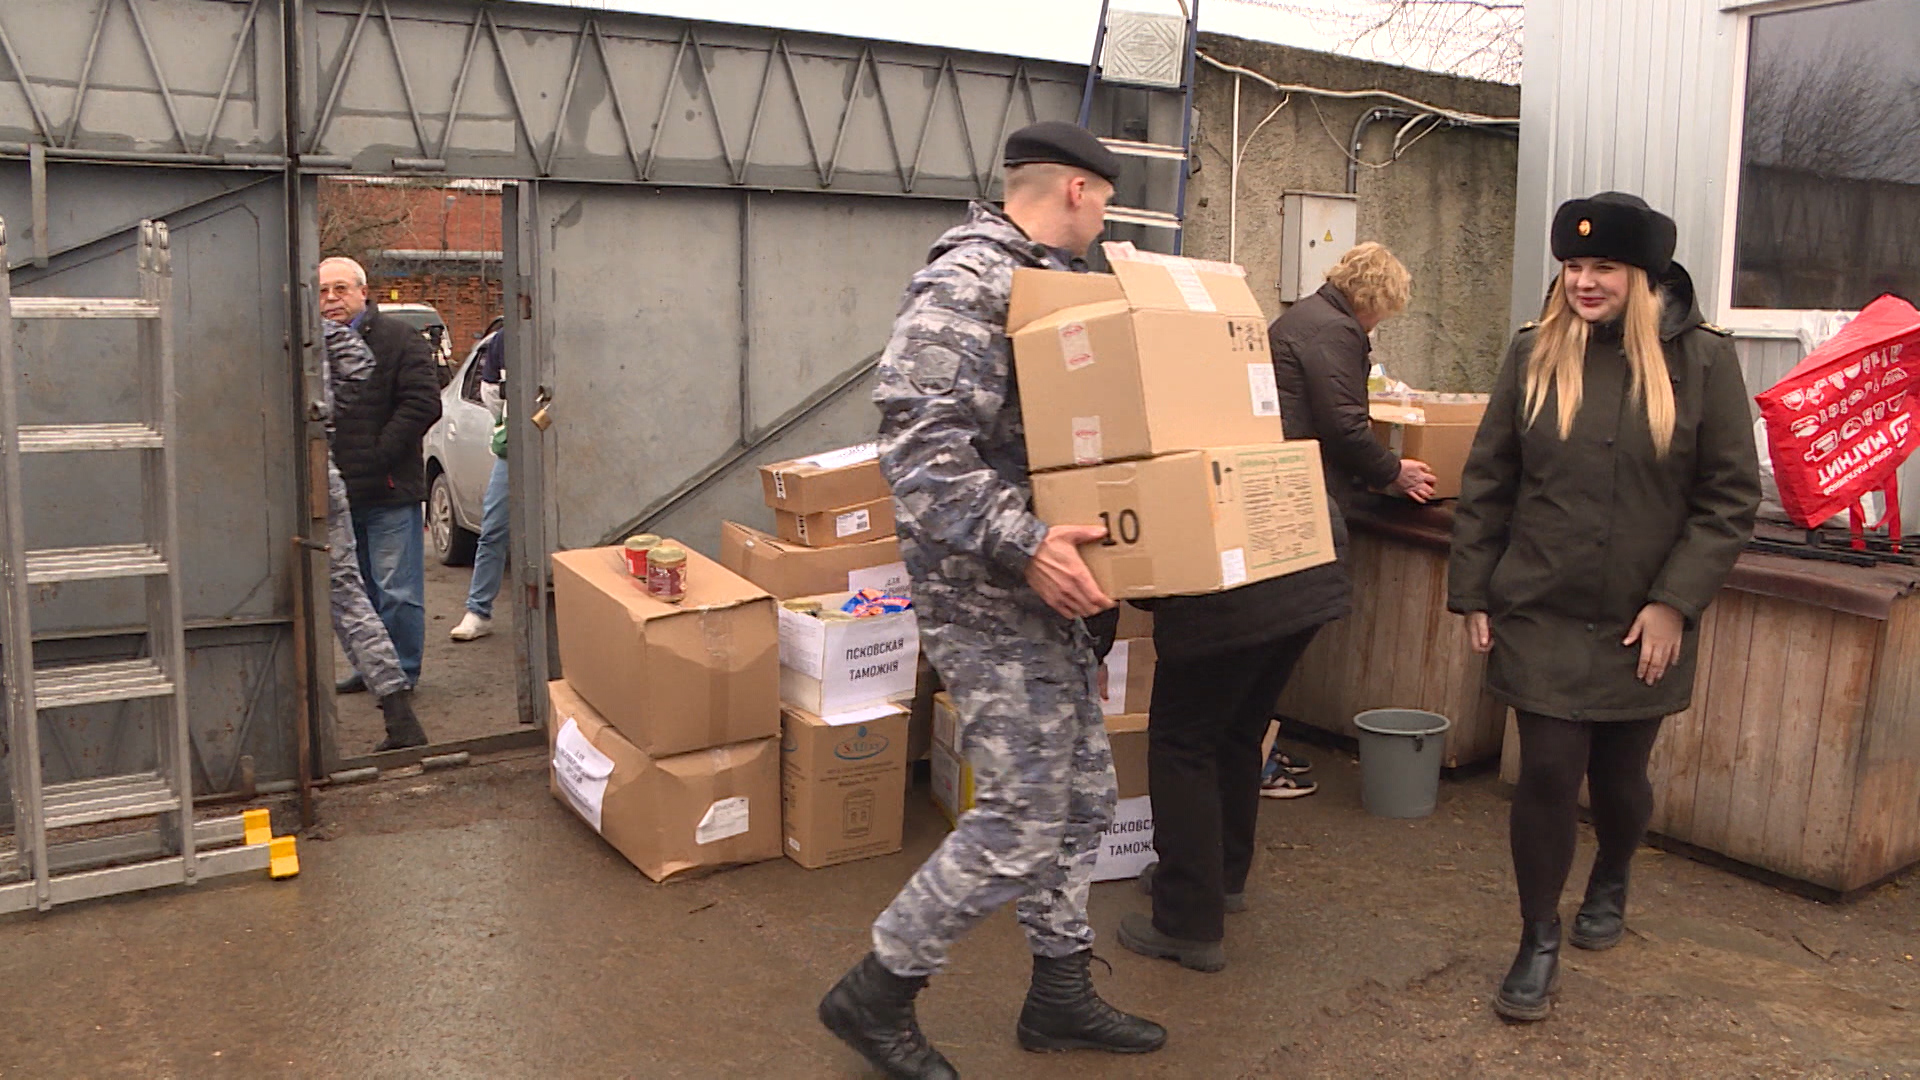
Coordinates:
x,y
490,558
392,544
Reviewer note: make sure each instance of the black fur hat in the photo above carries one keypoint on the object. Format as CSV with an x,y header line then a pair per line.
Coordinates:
x,y
1614,225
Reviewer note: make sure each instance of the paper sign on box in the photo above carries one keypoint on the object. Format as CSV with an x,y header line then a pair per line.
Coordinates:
x,y
831,666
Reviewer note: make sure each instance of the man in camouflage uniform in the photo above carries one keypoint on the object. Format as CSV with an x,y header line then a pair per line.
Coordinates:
x,y
1001,598
362,634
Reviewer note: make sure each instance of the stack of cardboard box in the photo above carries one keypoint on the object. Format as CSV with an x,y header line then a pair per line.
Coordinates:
x,y
665,729
1150,408
845,748
833,528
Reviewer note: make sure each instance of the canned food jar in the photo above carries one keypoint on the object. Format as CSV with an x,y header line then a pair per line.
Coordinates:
x,y
637,547
667,573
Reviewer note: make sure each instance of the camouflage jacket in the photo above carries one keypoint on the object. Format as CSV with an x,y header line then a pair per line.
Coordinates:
x,y
349,363
952,444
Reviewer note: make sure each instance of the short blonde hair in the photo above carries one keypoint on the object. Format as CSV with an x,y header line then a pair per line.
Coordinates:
x,y
1373,280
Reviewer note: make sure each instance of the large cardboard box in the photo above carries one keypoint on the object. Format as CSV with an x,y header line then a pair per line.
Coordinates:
x,y
1127,735
1438,432
792,570
1126,676
1154,358
859,523
1135,622
670,677
843,784
1199,521
832,666
667,815
823,481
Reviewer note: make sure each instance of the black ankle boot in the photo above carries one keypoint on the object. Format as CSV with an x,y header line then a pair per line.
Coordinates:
x,y
403,727
871,1010
1527,992
1064,1013
1602,921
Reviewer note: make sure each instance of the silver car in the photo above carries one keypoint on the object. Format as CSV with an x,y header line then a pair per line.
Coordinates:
x,y
459,453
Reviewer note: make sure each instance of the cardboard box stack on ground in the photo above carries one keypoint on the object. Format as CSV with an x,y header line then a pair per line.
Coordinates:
x,y
793,570
843,784
1127,846
847,740
665,730
1435,428
1150,408
830,500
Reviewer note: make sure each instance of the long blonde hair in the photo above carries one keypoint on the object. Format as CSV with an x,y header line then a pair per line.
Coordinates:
x,y
1558,361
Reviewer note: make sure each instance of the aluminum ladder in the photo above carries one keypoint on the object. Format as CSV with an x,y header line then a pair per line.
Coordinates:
x,y
176,849
1152,55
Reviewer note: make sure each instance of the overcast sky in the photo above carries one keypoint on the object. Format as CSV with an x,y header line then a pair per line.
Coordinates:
x,y
1043,29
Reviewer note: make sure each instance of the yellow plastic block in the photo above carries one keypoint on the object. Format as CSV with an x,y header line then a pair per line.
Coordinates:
x,y
282,860
259,825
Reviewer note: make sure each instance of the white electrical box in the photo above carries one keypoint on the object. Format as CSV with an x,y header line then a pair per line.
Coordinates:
x,y
1315,230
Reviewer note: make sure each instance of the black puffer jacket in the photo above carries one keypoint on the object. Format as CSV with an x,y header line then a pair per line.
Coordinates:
x,y
376,442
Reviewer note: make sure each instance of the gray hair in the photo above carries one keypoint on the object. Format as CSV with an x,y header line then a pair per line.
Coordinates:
x,y
359,272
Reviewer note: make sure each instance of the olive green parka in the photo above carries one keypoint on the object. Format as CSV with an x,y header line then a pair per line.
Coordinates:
x,y
1562,542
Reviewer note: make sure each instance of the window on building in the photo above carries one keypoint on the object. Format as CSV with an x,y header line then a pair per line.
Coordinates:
x,y
1829,202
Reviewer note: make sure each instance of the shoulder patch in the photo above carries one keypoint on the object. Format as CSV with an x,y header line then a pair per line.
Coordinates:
x,y
1712,329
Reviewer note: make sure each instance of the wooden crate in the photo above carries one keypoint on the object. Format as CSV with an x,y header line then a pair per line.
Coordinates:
x,y
1801,753
1400,648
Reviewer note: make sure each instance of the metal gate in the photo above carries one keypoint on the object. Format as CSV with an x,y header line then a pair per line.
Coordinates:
x,y
710,236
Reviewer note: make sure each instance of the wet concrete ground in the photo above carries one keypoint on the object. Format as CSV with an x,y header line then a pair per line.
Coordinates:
x,y
463,924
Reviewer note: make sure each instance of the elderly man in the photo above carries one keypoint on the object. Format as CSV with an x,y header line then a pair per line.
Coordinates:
x,y
1001,597
377,448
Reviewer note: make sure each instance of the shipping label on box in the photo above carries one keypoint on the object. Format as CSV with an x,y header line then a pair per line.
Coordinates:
x,y
1127,847
790,570
829,666
858,524
843,784
823,481
670,677
1199,521
1126,677
667,815
1156,358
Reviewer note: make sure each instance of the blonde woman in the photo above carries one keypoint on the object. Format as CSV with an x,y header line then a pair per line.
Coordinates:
x,y
1611,486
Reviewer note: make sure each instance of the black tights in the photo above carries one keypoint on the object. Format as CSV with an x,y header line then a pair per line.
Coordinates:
x,y
1554,755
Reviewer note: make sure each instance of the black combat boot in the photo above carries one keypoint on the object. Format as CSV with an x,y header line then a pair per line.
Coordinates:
x,y
1602,921
1527,992
1064,1013
871,1010
403,728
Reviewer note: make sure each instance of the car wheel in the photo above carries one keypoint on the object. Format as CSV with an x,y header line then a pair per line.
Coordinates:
x,y
452,545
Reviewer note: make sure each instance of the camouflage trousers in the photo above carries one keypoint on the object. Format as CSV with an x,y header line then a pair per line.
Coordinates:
x,y
361,633
1031,727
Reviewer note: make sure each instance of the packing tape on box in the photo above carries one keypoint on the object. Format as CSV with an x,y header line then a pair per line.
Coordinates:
x,y
716,630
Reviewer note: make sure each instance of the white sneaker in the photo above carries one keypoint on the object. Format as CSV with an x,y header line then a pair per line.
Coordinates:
x,y
471,626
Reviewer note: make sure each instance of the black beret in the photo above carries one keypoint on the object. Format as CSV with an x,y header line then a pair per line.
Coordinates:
x,y
1614,225
1057,142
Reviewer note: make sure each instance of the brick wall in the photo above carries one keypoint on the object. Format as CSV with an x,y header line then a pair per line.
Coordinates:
x,y
367,219
467,301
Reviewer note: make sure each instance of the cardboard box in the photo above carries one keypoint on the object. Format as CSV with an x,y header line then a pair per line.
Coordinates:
x,y
791,570
670,677
953,785
1196,522
823,481
1127,847
843,785
1155,358
1439,433
1126,677
856,524
1135,622
667,815
832,666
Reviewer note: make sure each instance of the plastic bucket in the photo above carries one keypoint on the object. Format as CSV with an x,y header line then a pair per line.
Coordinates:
x,y
1400,755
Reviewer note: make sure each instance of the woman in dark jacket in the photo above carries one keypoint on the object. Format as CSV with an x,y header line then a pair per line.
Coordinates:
x,y
1225,657
1611,486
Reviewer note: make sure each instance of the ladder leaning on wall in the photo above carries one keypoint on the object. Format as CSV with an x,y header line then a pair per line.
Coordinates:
x,y
43,868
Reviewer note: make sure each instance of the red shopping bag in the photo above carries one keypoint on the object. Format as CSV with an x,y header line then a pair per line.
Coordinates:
x,y
1841,422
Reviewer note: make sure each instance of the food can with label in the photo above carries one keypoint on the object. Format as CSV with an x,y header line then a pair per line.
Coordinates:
x,y
667,573
637,547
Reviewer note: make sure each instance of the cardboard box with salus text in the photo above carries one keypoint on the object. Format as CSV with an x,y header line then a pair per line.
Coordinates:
x,y
843,784
1199,521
